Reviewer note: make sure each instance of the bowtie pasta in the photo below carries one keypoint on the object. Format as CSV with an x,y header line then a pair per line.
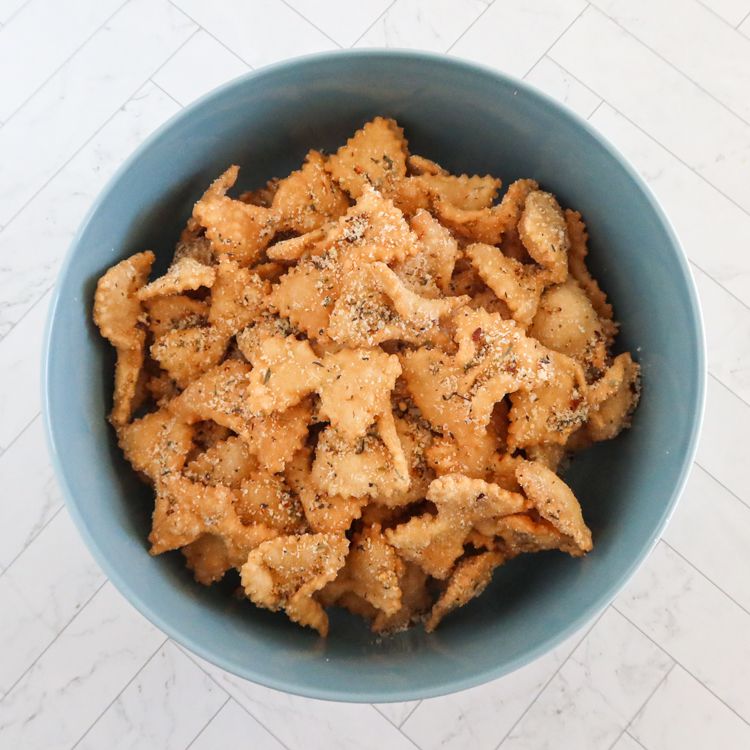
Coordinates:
x,y
356,385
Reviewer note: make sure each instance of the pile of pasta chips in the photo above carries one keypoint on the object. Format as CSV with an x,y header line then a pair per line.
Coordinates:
x,y
357,385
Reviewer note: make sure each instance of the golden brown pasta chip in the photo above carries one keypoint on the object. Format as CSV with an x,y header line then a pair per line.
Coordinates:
x,y
469,579
175,311
616,395
544,233
186,274
374,156
284,573
308,198
236,229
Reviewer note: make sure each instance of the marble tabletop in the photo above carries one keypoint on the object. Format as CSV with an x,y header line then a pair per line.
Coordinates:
x,y
82,82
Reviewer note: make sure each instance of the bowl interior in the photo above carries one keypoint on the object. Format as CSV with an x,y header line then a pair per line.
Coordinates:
x,y
470,120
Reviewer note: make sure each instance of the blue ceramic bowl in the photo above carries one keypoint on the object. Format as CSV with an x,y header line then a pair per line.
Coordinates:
x,y
469,119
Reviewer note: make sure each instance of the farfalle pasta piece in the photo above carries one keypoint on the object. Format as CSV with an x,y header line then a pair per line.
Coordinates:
x,y
156,444
487,225
186,353
324,513
176,311
555,503
372,229
355,387
293,248
497,358
518,285
579,271
614,398
307,292
187,274
275,438
415,600
285,573
185,510
374,156
428,272
468,580
238,297
552,410
469,193
208,558
236,229
544,233
308,198
229,462
372,465
520,533
463,504
567,322
266,499
117,313
372,571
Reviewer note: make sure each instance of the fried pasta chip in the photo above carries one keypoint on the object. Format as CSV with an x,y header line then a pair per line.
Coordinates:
x,y
357,384
324,513
567,322
555,503
238,230
580,272
286,572
157,444
117,313
372,572
463,505
518,285
186,510
373,465
544,233
308,198
487,225
464,192
615,398
176,311
429,272
375,156
237,297
186,353
469,579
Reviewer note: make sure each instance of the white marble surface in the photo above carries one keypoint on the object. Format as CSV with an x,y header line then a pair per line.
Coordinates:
x,y
664,668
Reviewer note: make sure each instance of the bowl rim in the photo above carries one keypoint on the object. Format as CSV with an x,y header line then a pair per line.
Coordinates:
x,y
585,617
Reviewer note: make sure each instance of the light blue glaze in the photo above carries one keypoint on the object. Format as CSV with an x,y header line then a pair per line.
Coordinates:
x,y
469,119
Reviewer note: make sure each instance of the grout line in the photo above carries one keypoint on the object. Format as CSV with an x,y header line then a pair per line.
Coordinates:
x,y
703,575
411,713
737,27
122,690
680,664
469,27
713,12
636,740
33,539
643,705
213,36
675,68
66,61
19,434
13,325
166,93
382,15
205,726
596,109
314,25
16,12
658,143
557,39
719,482
552,677
726,387
125,101
193,33
716,281
80,609
239,703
